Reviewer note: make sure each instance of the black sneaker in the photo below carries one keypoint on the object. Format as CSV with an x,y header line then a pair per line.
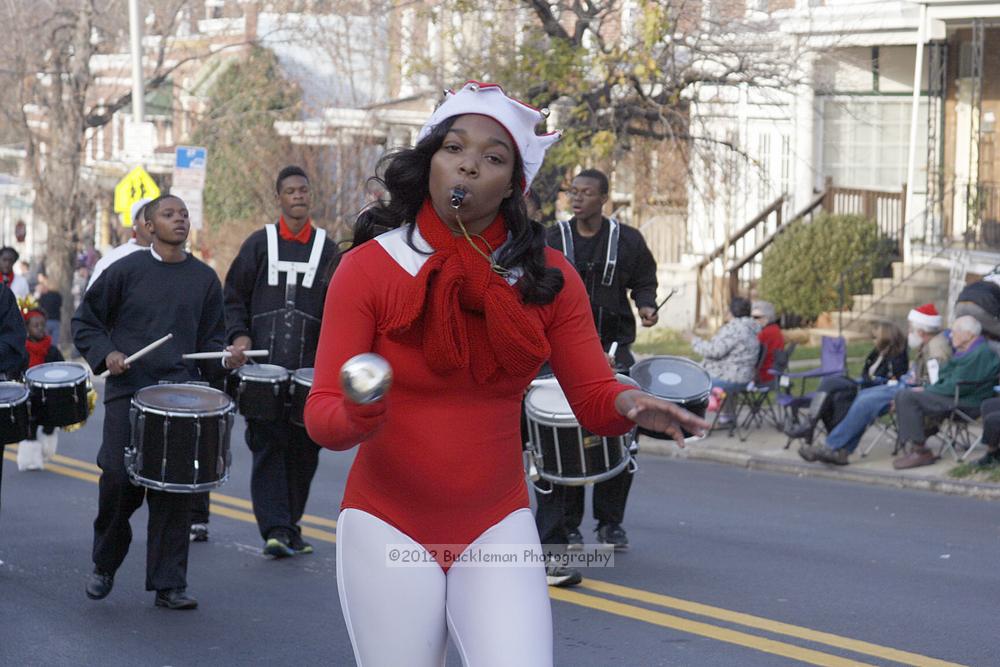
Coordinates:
x,y
175,598
99,584
574,540
300,546
612,535
279,545
562,577
199,532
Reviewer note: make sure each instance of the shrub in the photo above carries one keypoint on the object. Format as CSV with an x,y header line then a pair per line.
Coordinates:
x,y
801,270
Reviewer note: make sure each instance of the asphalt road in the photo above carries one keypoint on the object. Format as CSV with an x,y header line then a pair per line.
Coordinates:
x,y
728,567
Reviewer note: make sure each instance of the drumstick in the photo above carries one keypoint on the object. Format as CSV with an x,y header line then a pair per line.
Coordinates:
x,y
223,354
613,349
144,351
664,302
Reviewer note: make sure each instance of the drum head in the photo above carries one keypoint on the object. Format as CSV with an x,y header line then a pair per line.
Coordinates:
x,y
303,376
12,392
263,373
548,401
183,398
57,373
675,379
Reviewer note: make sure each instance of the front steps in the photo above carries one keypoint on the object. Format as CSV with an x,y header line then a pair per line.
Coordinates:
x,y
893,298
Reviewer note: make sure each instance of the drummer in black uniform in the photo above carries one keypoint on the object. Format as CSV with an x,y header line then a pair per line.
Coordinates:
x,y
274,294
613,261
13,355
136,301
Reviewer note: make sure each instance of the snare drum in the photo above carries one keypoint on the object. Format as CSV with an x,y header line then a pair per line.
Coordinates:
x,y
14,425
677,380
262,391
58,393
302,382
563,451
180,438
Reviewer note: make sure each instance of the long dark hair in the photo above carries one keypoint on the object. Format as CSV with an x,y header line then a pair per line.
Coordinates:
x,y
405,174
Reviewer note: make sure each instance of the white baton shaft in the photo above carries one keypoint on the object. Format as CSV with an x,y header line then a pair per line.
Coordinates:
x,y
223,354
146,350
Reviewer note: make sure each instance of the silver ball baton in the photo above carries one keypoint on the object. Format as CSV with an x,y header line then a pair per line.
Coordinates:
x,y
366,378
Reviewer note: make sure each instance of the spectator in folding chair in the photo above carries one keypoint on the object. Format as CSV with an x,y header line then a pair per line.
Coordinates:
x,y
770,337
887,362
931,350
731,356
990,411
832,363
969,377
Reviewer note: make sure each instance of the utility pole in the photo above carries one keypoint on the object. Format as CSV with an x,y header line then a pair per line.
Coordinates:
x,y
135,32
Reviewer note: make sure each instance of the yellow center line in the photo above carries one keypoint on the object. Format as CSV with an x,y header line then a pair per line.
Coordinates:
x,y
703,629
759,623
86,471
215,496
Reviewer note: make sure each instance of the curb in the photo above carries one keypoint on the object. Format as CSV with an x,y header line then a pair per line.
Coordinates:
x,y
981,490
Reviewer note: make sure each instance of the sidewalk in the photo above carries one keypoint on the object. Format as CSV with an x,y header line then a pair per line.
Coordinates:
x,y
764,450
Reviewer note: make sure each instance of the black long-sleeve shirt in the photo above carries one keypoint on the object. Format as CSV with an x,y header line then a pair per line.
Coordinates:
x,y
635,273
13,355
140,299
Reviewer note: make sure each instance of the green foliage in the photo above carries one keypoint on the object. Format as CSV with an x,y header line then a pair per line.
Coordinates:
x,y
802,270
238,130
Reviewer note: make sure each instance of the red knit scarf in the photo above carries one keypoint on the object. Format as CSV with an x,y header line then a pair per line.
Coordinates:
x,y
38,350
471,317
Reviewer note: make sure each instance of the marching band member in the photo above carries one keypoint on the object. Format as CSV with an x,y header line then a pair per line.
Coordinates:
x,y
13,355
32,454
137,299
141,240
465,302
274,293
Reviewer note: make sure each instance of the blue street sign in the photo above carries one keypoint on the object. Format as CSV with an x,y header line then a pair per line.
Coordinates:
x,y
190,157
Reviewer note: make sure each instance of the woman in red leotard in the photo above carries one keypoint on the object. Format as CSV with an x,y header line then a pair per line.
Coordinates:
x,y
465,304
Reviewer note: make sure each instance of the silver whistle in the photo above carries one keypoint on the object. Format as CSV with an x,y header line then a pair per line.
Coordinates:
x,y
457,197
366,377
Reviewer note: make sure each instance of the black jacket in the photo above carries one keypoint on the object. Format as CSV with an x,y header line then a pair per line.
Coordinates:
x,y
635,273
984,294
13,355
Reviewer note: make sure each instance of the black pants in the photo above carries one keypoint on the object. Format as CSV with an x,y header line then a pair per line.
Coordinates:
x,y
562,510
284,463
169,513
199,507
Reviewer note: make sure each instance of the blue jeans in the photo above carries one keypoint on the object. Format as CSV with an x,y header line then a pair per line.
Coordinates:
x,y
52,329
867,406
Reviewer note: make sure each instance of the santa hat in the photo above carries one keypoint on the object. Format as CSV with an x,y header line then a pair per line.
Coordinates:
x,y
925,317
518,118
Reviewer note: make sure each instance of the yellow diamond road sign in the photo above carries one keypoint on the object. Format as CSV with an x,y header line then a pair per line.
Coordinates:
x,y
136,185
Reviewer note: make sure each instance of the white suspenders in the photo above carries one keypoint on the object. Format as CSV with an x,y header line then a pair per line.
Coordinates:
x,y
293,269
610,261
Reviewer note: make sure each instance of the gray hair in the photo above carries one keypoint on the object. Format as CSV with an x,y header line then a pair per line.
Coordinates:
x,y
765,309
967,324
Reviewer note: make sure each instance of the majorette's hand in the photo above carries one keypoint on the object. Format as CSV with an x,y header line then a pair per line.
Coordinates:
x,y
367,418
116,363
656,414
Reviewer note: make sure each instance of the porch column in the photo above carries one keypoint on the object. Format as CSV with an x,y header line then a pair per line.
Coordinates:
x,y
911,168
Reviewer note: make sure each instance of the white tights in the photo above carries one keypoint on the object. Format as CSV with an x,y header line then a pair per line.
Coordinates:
x,y
403,615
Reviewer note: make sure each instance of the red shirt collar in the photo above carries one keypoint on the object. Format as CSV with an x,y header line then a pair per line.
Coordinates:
x,y
302,237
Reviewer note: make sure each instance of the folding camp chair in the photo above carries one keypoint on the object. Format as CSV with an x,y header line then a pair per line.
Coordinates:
x,y
833,361
757,400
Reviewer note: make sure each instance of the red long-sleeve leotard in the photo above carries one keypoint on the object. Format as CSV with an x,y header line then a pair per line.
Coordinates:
x,y
446,463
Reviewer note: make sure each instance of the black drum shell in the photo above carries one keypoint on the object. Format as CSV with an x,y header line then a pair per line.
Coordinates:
x,y
263,399
693,396
56,403
15,425
566,439
180,438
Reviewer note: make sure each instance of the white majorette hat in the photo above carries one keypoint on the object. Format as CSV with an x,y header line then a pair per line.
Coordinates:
x,y
926,316
518,118
137,208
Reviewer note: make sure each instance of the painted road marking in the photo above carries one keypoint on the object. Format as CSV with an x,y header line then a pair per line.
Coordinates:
x,y
226,506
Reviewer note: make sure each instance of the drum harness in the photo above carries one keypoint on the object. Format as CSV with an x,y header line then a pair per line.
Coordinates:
x,y
610,258
292,271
